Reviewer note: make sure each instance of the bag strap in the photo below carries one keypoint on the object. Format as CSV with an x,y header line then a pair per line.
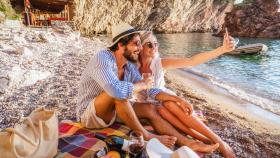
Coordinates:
x,y
21,135
24,137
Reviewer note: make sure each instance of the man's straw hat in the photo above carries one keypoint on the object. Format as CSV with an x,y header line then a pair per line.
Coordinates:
x,y
121,30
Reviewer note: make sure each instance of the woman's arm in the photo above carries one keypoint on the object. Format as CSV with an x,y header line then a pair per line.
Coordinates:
x,y
173,63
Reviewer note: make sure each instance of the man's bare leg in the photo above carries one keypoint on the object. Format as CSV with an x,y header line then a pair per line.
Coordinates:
x,y
200,127
106,106
149,111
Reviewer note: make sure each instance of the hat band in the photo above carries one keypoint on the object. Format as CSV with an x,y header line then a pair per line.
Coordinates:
x,y
123,33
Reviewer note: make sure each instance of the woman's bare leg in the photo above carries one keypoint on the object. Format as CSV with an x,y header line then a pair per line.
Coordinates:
x,y
178,124
149,111
200,127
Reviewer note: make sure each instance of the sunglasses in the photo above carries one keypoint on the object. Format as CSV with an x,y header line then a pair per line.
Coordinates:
x,y
152,45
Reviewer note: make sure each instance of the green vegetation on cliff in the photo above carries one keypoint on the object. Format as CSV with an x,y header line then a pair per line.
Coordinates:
x,y
6,8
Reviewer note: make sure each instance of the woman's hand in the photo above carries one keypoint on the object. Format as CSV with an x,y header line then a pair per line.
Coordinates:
x,y
143,84
228,43
185,106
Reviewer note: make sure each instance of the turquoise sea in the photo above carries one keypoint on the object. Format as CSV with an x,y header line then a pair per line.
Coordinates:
x,y
254,78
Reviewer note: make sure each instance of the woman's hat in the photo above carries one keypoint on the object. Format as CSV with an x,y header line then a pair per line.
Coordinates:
x,y
121,30
157,150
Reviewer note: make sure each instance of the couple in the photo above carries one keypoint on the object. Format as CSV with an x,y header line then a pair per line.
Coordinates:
x,y
111,78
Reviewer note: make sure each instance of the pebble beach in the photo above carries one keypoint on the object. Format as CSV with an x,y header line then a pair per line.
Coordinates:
x,y
42,67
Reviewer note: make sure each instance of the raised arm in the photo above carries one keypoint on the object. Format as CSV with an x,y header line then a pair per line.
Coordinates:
x,y
173,63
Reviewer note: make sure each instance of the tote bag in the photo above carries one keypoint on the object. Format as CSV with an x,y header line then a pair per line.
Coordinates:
x,y
36,137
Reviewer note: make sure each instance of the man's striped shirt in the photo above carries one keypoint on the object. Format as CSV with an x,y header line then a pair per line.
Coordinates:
x,y
101,74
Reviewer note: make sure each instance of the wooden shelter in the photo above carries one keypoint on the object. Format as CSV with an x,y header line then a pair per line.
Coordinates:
x,y
43,12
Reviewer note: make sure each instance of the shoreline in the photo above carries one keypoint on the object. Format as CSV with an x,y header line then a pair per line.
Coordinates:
x,y
248,135
247,114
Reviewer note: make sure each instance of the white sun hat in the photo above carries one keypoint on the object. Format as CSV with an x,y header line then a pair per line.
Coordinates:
x,y
157,150
121,30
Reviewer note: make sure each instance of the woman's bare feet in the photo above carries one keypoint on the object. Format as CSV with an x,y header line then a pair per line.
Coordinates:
x,y
201,147
226,150
168,141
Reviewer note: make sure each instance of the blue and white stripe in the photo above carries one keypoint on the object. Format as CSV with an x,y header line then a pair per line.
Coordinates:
x,y
101,74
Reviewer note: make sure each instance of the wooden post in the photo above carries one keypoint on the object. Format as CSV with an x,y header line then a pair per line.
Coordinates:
x,y
64,13
68,13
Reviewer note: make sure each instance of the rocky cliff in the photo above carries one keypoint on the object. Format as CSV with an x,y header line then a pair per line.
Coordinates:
x,y
258,19
97,16
252,18
195,16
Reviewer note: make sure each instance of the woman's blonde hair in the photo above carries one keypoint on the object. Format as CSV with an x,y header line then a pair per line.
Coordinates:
x,y
147,36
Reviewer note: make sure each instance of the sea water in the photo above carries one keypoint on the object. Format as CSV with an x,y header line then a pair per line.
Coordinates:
x,y
254,78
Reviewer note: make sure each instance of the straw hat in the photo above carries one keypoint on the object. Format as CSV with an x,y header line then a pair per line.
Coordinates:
x,y
121,30
157,150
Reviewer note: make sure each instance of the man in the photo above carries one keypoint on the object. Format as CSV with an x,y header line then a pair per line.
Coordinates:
x,y
109,81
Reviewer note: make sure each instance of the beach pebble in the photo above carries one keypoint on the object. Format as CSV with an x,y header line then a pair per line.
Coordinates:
x,y
19,39
4,83
42,68
26,52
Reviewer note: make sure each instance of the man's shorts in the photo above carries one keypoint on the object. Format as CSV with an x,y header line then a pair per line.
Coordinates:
x,y
89,118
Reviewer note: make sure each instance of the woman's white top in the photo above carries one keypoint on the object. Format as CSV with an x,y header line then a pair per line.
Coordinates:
x,y
159,82
158,73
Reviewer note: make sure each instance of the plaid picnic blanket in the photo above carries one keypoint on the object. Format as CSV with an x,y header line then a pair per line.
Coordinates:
x,y
77,141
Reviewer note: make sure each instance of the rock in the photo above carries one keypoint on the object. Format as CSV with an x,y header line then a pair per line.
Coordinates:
x,y
62,27
4,83
8,49
271,31
19,39
12,23
26,52
257,19
5,33
258,26
93,17
240,13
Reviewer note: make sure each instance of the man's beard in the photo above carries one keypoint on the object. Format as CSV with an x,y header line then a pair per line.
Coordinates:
x,y
129,55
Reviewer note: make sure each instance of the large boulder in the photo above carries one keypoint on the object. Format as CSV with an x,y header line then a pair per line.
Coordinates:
x,y
258,19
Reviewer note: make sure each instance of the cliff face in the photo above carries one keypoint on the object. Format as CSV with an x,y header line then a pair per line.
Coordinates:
x,y
195,16
96,16
259,19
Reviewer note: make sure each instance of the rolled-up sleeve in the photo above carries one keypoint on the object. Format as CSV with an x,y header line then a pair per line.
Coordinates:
x,y
153,92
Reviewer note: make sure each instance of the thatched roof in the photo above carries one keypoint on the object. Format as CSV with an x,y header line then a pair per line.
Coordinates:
x,y
50,5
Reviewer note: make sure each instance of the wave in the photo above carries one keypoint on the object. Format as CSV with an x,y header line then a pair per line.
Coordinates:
x,y
251,96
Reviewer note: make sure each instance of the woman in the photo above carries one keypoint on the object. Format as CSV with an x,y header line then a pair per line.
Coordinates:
x,y
150,62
